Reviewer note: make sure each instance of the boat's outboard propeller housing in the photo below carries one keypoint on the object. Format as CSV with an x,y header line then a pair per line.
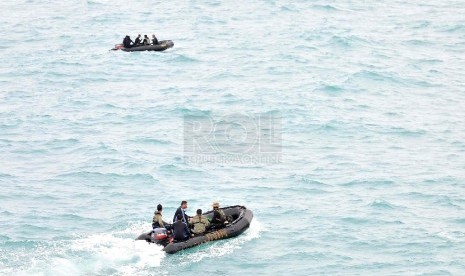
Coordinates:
x,y
159,234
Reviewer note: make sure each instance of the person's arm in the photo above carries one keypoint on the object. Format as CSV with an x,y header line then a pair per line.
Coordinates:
x,y
186,230
215,217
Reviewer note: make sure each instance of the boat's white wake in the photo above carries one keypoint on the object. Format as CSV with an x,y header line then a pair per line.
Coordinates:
x,y
115,253
220,248
120,251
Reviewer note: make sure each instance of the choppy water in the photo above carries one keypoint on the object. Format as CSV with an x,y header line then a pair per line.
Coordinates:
x,y
371,94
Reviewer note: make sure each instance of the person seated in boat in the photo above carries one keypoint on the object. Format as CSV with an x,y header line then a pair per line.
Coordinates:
x,y
154,40
146,40
180,229
182,211
219,218
138,41
199,223
127,42
157,221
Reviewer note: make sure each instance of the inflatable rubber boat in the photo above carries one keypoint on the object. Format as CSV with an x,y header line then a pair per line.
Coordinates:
x,y
239,216
162,45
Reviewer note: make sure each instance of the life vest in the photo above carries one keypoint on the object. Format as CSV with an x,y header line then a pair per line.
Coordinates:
x,y
218,216
156,220
200,224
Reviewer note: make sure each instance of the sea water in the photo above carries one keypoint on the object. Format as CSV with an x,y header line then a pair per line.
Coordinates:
x,y
367,172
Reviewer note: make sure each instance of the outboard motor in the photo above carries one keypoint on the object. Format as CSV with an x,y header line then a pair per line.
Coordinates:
x,y
159,234
118,47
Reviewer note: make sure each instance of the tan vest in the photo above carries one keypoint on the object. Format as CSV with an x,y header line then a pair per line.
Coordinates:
x,y
200,224
158,218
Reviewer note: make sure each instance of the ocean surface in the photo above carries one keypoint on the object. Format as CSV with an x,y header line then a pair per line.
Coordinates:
x,y
366,175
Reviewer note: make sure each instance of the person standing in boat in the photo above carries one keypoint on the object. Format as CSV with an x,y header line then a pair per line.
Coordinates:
x,y
199,223
182,211
154,40
127,42
138,41
180,229
219,218
146,40
157,221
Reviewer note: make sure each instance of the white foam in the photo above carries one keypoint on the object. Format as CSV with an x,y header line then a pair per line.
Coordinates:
x,y
115,252
221,248
120,251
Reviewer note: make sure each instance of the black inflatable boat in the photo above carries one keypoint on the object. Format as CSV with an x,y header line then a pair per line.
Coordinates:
x,y
240,221
162,45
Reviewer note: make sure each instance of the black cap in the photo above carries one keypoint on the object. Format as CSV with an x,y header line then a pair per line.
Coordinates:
x,y
159,207
199,211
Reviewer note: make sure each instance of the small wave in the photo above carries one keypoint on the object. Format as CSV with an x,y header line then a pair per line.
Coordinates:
x,y
355,220
61,143
454,28
6,176
372,183
330,89
421,24
330,126
184,59
347,42
6,213
93,176
371,221
192,112
150,141
324,7
289,8
404,132
308,181
418,42
4,238
381,205
459,221
375,76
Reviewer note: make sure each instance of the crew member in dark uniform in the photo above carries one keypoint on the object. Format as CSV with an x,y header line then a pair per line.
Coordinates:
x,y
138,41
154,40
127,42
180,229
182,211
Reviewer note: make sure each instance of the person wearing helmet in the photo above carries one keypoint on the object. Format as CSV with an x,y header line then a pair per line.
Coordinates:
x,y
219,218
